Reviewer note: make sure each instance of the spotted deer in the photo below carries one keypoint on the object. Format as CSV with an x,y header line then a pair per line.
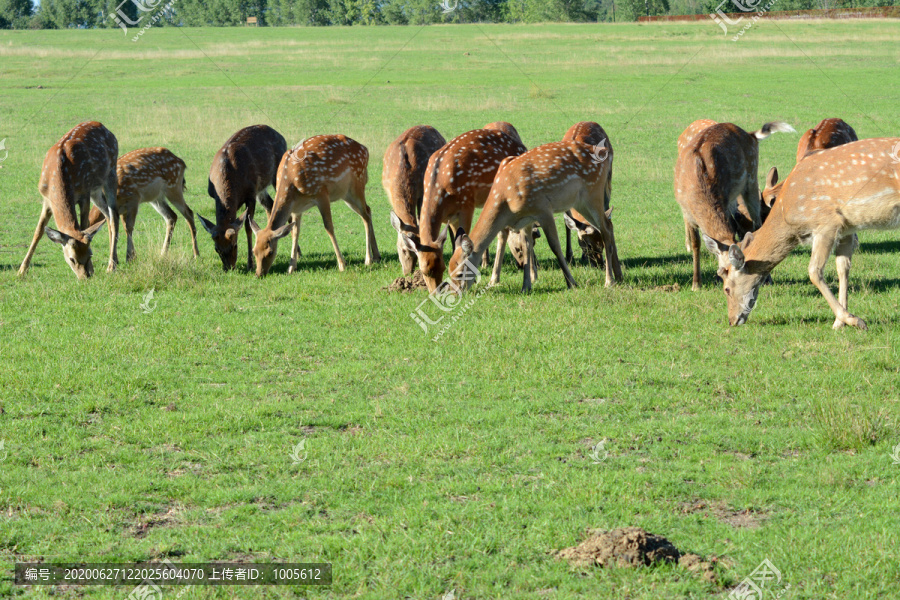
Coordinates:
x,y
316,172
829,133
717,189
589,239
457,181
530,188
402,177
79,169
241,172
826,199
151,175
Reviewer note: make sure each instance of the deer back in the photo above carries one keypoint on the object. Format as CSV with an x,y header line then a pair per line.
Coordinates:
x,y
829,133
245,166
403,174
81,161
460,174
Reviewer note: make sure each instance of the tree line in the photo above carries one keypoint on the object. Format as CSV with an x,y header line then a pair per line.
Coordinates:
x,y
62,14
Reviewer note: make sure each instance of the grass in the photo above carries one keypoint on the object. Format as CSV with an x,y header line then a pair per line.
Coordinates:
x,y
459,465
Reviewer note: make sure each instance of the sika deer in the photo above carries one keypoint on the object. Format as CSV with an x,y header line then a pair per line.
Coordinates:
x,y
402,177
532,187
827,198
716,187
241,171
458,180
78,169
829,133
151,175
589,239
316,172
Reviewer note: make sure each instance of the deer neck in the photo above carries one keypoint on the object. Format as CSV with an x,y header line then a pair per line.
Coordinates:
x,y
772,242
490,222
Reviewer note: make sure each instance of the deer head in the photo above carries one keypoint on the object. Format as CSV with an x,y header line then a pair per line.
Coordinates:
x,y
77,252
225,239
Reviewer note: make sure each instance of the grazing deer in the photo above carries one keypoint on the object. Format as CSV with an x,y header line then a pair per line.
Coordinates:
x,y
530,188
241,172
589,239
403,176
829,133
827,198
151,175
717,189
458,179
80,168
316,172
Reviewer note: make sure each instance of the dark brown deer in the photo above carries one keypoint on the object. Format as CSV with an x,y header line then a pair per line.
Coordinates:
x,y
79,169
715,178
151,175
316,172
457,181
241,172
829,133
402,177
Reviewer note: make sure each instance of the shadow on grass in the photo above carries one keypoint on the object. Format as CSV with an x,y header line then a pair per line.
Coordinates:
x,y
885,247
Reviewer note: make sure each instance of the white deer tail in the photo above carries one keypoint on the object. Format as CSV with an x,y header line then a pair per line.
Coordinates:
x,y
773,127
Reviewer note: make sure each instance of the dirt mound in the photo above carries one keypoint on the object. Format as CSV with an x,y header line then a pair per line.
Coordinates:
x,y
407,284
625,547
634,547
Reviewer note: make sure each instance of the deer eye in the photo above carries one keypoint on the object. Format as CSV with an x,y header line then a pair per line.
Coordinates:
x,y
727,291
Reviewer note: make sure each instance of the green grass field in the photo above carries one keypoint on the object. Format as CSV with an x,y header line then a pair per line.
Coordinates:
x,y
463,464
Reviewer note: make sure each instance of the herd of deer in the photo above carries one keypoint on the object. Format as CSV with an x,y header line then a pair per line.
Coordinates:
x,y
839,186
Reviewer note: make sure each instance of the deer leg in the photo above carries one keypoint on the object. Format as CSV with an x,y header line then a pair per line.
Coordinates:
x,y
842,255
251,210
526,268
324,204
359,206
176,197
43,219
84,207
693,246
602,224
128,219
295,247
570,255
501,252
548,224
105,200
297,221
168,216
821,250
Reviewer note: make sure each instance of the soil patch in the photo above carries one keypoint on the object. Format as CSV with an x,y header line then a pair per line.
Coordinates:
x,y
635,547
407,284
747,518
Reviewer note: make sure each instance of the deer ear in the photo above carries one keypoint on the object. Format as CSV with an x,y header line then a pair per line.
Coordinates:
x,y
240,220
736,256
281,231
713,245
396,222
570,222
411,242
91,231
748,237
208,226
459,233
253,227
466,245
57,236
772,177
443,237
